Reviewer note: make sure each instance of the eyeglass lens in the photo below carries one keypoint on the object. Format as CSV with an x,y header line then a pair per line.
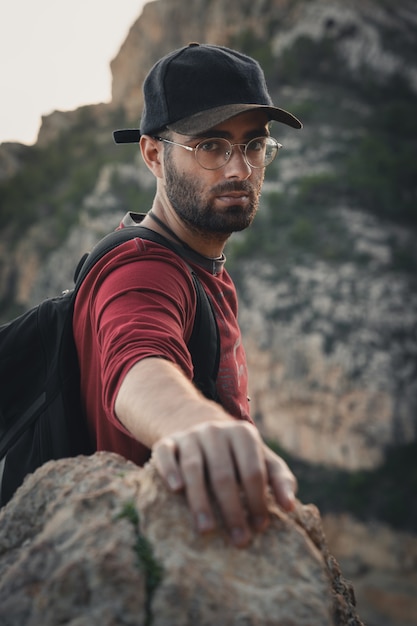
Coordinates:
x,y
214,153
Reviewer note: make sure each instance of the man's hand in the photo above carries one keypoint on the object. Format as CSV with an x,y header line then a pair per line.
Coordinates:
x,y
200,448
229,459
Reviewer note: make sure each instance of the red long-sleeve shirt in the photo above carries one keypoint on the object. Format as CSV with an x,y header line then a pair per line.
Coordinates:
x,y
139,301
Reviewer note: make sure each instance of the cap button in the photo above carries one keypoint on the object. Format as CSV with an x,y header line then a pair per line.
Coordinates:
x,y
193,44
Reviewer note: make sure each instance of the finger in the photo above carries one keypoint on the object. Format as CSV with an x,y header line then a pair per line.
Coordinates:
x,y
281,480
192,465
224,483
249,456
164,454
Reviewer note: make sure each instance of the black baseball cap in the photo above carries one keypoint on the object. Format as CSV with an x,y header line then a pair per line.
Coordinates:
x,y
199,86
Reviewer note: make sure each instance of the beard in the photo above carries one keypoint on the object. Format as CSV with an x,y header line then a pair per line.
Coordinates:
x,y
187,197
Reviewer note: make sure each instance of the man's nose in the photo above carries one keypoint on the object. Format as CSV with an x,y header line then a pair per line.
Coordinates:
x,y
237,165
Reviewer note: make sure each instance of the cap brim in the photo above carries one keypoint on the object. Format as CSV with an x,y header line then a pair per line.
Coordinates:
x,y
204,120
127,135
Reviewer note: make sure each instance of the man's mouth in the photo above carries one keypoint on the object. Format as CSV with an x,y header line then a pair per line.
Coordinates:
x,y
233,198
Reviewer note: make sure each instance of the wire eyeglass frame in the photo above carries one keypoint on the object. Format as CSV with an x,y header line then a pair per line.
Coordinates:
x,y
220,149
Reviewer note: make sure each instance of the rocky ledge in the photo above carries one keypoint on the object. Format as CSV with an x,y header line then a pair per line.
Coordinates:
x,y
97,541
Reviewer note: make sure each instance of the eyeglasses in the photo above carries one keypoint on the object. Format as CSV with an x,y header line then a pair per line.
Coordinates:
x,y
214,153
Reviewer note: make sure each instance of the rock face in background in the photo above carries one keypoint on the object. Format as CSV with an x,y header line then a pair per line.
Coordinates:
x,y
333,353
337,346
355,24
328,306
96,541
381,562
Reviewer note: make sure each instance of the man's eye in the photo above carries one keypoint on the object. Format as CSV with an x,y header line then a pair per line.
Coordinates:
x,y
211,146
256,145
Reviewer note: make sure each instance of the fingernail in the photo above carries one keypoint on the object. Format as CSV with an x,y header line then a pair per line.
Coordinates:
x,y
290,505
204,522
174,482
239,536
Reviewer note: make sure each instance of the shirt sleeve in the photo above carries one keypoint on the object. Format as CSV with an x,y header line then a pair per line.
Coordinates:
x,y
143,306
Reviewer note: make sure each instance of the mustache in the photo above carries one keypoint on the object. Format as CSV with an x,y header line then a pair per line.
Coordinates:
x,y
234,185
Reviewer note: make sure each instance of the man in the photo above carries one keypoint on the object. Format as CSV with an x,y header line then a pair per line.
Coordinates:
x,y
204,135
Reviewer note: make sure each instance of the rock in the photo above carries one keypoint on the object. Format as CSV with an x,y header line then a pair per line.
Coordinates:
x,y
332,351
12,157
59,562
382,562
53,124
96,540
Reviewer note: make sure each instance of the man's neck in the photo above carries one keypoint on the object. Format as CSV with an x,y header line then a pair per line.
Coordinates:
x,y
167,223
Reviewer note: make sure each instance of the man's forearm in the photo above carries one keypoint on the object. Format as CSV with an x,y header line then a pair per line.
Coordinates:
x,y
196,443
156,400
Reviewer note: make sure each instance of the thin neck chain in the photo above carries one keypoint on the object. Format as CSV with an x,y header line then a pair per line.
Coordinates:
x,y
214,266
171,232
166,228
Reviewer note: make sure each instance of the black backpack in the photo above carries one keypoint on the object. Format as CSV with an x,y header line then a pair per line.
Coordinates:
x,y
40,408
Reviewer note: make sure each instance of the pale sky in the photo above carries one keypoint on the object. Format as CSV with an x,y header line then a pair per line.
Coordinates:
x,y
55,55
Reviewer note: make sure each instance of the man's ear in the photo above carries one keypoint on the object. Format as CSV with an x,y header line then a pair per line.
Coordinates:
x,y
152,153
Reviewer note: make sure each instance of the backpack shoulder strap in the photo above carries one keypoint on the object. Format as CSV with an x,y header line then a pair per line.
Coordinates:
x,y
204,344
108,243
